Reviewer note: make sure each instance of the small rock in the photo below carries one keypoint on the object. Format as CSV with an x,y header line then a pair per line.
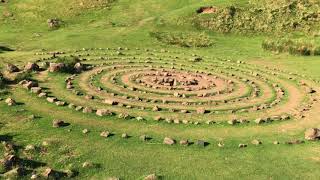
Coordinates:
x,y
51,99
259,121
201,143
144,138
48,172
201,111
169,141
256,142
10,102
30,147
12,68
58,123
85,131
151,177
87,110
184,142
124,136
105,134
36,90
60,103
103,112
242,145
296,141
232,122
220,144
87,164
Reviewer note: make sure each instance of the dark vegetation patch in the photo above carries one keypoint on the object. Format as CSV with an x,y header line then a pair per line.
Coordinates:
x,y
292,46
2,81
183,39
263,17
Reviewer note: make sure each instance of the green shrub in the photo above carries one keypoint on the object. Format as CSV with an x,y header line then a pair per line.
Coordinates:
x,y
182,39
292,46
69,63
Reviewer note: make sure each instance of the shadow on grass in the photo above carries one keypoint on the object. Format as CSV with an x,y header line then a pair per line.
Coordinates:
x,y
5,137
4,48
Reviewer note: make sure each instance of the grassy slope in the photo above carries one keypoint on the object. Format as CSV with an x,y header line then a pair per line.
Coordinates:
x,y
132,21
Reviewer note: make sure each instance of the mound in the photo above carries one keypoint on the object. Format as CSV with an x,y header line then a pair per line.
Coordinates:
x,y
263,17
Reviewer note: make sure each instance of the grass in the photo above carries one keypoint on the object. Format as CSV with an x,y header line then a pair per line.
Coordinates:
x,y
127,23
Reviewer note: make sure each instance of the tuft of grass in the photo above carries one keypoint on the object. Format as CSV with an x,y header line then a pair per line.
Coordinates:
x,y
183,39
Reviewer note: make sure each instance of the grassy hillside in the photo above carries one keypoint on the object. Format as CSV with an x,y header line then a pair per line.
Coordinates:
x,y
160,33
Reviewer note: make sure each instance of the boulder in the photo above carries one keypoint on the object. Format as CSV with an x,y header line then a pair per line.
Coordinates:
x,y
12,68
56,67
29,84
36,90
312,134
168,141
31,67
103,112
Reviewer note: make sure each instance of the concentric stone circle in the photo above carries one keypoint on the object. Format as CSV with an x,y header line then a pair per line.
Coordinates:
x,y
170,87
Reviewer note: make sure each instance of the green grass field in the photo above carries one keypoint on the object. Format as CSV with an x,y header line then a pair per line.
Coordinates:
x,y
117,38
